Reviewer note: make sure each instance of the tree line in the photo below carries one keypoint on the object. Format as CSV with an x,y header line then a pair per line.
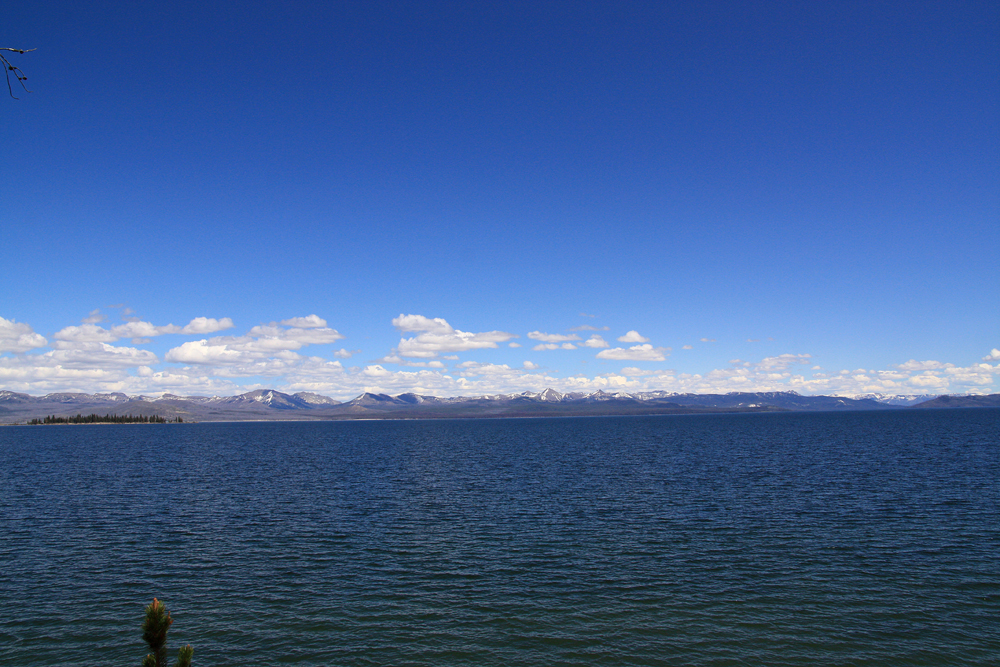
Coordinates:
x,y
106,419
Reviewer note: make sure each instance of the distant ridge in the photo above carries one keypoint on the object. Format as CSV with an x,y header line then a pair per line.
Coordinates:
x,y
270,404
962,401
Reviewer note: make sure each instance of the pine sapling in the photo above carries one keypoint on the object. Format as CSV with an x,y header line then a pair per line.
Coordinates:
x,y
154,633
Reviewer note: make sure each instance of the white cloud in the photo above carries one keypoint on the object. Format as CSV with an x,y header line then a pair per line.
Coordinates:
x,y
294,338
206,325
551,338
415,323
307,322
553,346
635,353
595,340
83,358
510,344
87,333
914,365
633,337
587,327
95,316
474,368
688,347
102,355
18,337
928,381
438,336
204,352
376,371
783,361
632,371
97,356
707,340
137,329
266,349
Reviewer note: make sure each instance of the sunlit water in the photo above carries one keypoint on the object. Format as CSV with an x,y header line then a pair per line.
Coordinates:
x,y
770,539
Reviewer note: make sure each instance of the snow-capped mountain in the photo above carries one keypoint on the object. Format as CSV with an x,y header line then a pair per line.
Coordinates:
x,y
272,404
315,399
892,399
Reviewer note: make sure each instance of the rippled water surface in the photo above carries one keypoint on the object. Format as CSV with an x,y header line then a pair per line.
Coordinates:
x,y
770,539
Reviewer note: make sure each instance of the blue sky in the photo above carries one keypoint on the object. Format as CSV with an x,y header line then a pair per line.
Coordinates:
x,y
205,198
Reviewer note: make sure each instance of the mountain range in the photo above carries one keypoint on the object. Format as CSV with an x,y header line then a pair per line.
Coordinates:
x,y
269,404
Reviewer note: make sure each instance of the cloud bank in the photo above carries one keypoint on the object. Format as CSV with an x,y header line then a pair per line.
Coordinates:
x,y
432,357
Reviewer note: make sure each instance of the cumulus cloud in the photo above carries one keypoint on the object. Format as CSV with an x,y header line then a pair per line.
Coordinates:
x,y
707,340
688,347
18,337
418,323
83,358
436,336
266,349
783,361
595,340
551,338
632,371
137,329
587,327
633,337
307,322
396,359
87,333
94,317
206,325
474,368
644,352
293,338
553,346
914,365
101,355
204,352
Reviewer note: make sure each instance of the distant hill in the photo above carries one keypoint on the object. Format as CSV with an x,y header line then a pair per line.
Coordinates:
x,y
269,404
962,401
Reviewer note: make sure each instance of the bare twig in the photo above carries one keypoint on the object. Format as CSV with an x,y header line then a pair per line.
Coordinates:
x,y
8,68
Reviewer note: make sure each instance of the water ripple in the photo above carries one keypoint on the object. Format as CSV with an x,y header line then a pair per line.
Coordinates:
x,y
853,539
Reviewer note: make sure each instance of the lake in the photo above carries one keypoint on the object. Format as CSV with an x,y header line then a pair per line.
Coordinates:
x,y
859,538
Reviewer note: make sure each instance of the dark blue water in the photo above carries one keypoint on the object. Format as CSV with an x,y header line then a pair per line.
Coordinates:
x,y
770,539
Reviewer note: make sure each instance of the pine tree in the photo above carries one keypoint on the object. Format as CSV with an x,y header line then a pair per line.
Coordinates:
x,y
154,633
